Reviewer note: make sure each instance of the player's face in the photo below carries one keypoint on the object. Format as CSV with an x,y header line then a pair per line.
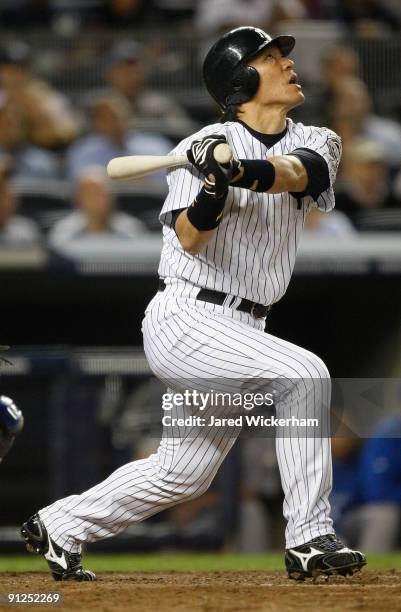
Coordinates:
x,y
278,80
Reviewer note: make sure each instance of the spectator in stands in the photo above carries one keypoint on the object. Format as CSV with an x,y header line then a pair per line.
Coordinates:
x,y
110,137
214,16
96,218
352,117
364,180
49,121
369,18
124,12
345,498
174,11
29,161
380,477
336,224
15,230
151,110
338,63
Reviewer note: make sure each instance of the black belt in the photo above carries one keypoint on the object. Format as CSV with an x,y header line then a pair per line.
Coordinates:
x,y
218,297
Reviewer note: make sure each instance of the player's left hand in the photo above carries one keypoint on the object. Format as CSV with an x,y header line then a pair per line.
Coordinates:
x,y
201,155
11,423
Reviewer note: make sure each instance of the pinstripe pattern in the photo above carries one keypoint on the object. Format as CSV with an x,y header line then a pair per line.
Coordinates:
x,y
253,251
187,340
192,344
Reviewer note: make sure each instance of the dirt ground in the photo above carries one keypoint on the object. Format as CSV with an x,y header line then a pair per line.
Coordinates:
x,y
212,591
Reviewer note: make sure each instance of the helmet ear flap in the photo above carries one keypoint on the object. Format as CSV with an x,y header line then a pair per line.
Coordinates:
x,y
253,80
243,85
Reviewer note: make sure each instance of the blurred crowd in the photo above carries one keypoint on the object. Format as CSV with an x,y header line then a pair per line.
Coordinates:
x,y
49,133
367,17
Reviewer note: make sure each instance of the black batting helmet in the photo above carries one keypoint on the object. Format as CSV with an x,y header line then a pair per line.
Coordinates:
x,y
228,78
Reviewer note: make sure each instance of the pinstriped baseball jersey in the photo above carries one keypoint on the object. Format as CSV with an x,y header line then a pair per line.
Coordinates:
x,y
252,253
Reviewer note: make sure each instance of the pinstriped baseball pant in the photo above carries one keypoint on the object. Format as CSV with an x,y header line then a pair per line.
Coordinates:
x,y
186,340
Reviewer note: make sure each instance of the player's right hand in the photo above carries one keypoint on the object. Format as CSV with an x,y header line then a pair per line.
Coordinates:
x,y
201,155
11,423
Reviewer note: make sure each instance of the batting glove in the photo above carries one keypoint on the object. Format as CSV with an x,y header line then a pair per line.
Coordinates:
x,y
201,155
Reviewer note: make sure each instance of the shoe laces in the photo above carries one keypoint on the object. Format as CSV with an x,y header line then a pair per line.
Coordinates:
x,y
75,561
329,542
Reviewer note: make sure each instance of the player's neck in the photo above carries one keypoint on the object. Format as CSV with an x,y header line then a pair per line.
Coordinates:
x,y
271,121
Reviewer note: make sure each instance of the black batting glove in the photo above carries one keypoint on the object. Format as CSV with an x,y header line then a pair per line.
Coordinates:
x,y
201,155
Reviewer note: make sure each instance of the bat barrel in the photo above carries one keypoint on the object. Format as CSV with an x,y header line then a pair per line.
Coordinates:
x,y
137,166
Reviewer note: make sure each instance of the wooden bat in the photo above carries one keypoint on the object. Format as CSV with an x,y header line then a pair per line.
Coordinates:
x,y
137,166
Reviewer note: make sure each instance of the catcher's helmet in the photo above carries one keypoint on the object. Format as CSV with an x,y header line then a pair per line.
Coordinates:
x,y
11,423
228,78
11,419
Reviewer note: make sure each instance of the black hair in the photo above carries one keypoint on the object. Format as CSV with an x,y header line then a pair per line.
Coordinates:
x,y
230,113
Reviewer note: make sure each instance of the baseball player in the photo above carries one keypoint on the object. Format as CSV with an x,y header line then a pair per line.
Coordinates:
x,y
230,237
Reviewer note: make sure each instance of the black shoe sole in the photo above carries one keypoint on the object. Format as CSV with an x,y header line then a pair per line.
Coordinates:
x,y
346,570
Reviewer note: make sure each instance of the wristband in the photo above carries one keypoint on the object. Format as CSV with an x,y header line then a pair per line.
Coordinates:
x,y
258,175
206,211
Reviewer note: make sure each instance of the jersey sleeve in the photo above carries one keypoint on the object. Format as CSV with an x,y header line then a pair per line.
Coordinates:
x,y
328,144
184,184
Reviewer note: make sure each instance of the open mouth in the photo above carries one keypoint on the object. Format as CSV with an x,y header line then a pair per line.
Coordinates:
x,y
294,79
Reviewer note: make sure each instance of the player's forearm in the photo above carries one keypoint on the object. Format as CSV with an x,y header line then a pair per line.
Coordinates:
x,y
192,240
196,225
278,174
290,174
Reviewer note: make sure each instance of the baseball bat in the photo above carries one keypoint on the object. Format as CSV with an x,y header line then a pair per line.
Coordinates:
x,y
137,166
